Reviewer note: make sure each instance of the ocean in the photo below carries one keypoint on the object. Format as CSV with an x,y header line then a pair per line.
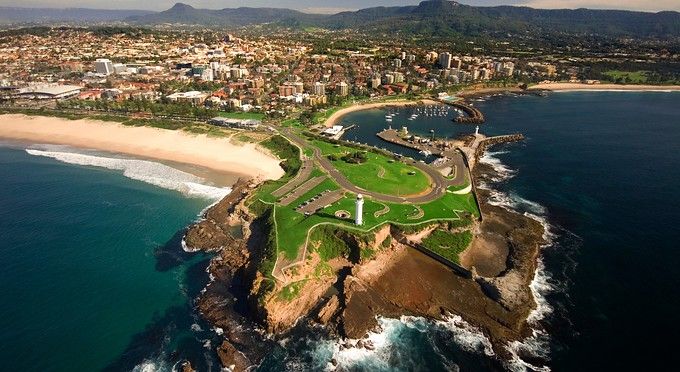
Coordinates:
x,y
95,278
602,170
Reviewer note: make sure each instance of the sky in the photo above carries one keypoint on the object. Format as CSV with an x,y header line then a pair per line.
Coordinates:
x,y
333,6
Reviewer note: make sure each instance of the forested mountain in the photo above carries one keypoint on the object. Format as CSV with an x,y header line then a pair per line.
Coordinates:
x,y
48,15
431,17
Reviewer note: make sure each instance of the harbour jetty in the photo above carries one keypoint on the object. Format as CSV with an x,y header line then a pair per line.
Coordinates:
x,y
473,115
487,142
393,136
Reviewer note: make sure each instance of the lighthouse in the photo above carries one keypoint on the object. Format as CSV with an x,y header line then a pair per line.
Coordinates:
x,y
359,210
477,131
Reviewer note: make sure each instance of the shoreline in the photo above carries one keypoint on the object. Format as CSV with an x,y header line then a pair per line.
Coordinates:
x,y
333,119
568,87
216,154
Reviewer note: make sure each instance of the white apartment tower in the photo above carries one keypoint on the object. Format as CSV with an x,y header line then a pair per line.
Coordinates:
x,y
445,60
103,66
319,89
342,89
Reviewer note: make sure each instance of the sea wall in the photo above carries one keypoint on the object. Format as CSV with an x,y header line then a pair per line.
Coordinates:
x,y
488,142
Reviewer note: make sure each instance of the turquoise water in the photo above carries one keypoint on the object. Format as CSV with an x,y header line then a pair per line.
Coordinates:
x,y
93,275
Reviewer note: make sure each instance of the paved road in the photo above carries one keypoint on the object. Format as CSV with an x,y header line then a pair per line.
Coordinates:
x,y
438,183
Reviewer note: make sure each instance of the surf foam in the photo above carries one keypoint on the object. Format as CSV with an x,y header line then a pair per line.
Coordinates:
x,y
150,172
538,344
501,169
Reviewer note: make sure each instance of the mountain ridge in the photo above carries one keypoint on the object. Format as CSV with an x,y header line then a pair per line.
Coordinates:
x,y
428,18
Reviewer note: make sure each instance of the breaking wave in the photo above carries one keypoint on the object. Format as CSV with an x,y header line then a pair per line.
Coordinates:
x,y
392,346
536,346
501,169
153,173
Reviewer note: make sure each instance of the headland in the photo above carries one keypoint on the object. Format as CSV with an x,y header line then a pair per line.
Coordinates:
x,y
429,244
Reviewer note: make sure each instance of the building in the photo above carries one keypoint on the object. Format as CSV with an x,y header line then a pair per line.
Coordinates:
x,y
358,219
376,82
396,63
235,123
193,97
103,66
286,90
50,91
314,100
332,131
445,60
388,79
319,89
342,89
119,68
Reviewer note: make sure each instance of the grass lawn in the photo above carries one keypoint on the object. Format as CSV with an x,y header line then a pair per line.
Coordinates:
x,y
292,227
379,173
291,291
448,245
628,77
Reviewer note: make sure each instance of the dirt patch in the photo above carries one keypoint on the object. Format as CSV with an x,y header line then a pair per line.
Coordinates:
x,y
488,254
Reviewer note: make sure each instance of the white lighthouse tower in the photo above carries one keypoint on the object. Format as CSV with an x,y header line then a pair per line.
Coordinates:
x,y
359,210
477,131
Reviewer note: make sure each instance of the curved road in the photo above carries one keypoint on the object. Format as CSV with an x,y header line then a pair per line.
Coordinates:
x,y
438,186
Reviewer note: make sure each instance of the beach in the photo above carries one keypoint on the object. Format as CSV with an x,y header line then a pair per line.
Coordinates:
x,y
333,119
604,87
218,154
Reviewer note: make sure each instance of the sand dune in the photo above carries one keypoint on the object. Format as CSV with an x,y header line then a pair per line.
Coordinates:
x,y
218,154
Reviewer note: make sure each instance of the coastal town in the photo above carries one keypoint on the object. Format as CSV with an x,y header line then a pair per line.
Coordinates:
x,y
278,77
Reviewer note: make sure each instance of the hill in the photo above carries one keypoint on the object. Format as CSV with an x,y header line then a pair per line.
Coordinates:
x,y
185,14
438,18
51,15
429,18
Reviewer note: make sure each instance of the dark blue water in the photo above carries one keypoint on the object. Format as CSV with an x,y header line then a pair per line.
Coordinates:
x,y
93,274
605,169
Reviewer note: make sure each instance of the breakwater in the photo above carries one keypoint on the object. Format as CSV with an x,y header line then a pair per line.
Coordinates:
x,y
473,114
392,135
488,142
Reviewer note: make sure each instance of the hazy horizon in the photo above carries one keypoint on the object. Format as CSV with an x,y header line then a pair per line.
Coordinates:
x,y
334,6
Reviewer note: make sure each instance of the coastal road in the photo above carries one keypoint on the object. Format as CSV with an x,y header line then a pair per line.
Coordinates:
x,y
437,185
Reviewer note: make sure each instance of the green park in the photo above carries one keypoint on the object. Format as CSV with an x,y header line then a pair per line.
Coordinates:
x,y
293,234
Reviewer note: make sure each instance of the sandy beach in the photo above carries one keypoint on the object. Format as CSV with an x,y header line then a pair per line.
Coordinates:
x,y
218,154
367,106
604,87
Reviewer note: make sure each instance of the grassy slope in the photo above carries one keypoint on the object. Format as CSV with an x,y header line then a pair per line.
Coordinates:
x,y
292,228
630,77
396,179
448,245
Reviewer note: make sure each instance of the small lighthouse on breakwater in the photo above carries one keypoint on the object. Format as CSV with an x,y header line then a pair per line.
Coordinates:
x,y
358,220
